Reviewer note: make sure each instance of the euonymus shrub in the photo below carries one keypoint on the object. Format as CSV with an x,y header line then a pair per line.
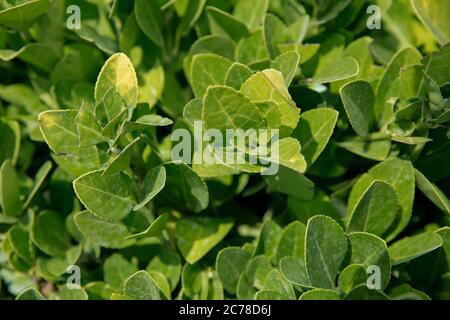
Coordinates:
x,y
96,203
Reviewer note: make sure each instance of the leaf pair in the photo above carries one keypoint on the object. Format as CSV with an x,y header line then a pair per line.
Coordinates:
x,y
327,250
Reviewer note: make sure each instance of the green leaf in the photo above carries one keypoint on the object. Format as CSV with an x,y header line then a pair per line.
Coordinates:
x,y
287,63
369,250
18,264
290,182
111,112
60,131
225,108
361,292
102,233
268,85
145,122
57,266
66,293
162,283
445,235
88,127
376,211
359,101
210,44
325,250
351,277
314,130
437,66
268,239
252,50
49,234
184,188
436,16
30,294
86,159
270,110
80,63
230,264
21,16
344,68
405,57
294,270
320,203
269,295
121,162
251,13
107,196
10,141
98,291
193,111
116,270
410,248
194,281
432,192
19,240
154,229
406,292
201,284
237,74
181,7
292,241
149,17
141,286
118,296
152,89
360,49
195,9
253,279
10,201
376,149
118,75
22,96
411,140
153,183
277,283
289,155
276,33
207,70
222,23
103,42
196,237
307,51
399,174
320,294
216,44
167,262
37,54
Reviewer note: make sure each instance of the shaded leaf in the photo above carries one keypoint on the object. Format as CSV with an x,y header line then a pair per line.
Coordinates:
x,y
325,251
413,247
230,264
314,130
376,211
359,100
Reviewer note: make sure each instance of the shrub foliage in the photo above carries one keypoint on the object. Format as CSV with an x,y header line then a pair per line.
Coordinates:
x,y
94,206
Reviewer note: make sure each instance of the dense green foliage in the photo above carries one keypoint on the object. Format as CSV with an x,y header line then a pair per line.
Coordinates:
x,y
88,185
